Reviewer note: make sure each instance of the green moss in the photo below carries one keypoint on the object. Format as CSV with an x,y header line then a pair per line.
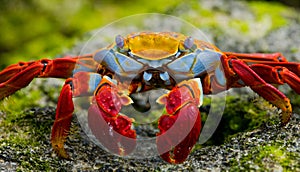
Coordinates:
x,y
26,134
276,12
199,16
295,101
265,157
26,131
19,101
240,114
242,26
267,17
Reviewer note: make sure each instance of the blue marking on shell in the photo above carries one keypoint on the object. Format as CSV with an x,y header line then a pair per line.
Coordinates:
x,y
94,81
117,62
206,61
194,64
108,57
220,76
128,64
111,62
154,63
147,76
183,64
100,55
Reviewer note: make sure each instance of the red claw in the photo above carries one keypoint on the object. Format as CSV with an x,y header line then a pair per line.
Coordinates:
x,y
112,130
109,101
178,134
181,124
115,134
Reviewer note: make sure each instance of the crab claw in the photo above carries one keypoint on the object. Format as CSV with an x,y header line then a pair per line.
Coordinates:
x,y
181,124
178,134
113,130
113,133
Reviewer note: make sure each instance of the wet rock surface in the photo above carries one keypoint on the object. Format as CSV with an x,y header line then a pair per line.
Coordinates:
x,y
262,149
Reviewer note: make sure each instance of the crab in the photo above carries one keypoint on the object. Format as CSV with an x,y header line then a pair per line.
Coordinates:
x,y
139,62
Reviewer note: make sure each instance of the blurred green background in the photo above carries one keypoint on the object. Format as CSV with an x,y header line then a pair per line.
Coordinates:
x,y
34,29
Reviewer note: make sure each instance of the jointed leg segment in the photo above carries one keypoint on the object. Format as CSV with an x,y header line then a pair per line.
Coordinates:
x,y
259,72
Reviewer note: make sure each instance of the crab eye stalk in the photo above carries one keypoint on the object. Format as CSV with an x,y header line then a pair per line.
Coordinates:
x,y
119,41
188,43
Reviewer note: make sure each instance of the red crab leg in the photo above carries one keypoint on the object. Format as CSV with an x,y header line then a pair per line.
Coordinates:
x,y
257,84
292,66
258,57
19,75
277,75
274,59
61,126
180,124
113,130
79,85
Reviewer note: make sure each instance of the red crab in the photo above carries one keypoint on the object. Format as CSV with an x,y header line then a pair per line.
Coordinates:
x,y
144,61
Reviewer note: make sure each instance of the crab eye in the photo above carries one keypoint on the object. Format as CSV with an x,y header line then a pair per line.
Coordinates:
x,y
188,43
119,41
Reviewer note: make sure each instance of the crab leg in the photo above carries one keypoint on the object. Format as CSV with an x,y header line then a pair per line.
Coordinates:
x,y
257,57
103,115
292,66
277,75
180,124
79,85
19,75
62,123
273,68
250,78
